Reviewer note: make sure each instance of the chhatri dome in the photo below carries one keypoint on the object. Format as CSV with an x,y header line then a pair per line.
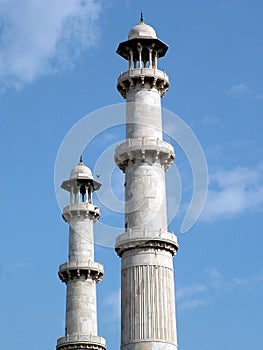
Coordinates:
x,y
80,174
144,36
81,171
142,30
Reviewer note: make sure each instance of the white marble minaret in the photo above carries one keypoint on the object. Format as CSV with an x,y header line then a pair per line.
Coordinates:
x,y
80,272
146,247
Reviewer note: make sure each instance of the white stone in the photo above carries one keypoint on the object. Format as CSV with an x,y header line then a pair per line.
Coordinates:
x,y
148,318
80,272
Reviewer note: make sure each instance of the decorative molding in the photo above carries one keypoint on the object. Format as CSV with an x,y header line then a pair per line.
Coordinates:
x,y
148,149
78,341
142,244
80,345
84,209
91,270
157,79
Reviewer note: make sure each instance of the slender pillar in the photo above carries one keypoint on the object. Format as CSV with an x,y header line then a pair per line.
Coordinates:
x,y
155,60
150,57
139,46
131,59
146,247
80,272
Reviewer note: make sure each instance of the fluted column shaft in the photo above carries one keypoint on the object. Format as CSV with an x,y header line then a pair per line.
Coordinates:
x,y
148,310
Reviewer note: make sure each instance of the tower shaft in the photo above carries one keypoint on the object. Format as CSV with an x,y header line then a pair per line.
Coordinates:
x,y
81,313
146,247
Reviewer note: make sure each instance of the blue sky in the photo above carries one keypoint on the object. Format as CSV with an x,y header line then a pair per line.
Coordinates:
x,y
58,64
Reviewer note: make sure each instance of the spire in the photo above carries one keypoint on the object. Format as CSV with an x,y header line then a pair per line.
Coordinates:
x,y
80,159
141,19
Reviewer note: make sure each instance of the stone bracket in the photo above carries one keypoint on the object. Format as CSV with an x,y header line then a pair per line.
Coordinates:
x,y
80,345
92,270
145,149
141,240
157,79
78,341
81,209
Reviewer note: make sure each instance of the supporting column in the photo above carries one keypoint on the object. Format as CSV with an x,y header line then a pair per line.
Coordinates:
x,y
155,59
139,47
150,57
131,62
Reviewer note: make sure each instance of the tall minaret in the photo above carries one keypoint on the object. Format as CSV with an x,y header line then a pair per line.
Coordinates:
x,y
81,273
146,248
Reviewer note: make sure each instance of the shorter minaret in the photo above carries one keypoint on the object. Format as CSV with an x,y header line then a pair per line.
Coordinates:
x,y
81,273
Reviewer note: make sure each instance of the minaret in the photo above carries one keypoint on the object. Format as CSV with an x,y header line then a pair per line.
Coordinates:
x,y
146,248
81,273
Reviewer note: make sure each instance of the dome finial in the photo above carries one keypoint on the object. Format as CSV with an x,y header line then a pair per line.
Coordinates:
x,y
80,159
141,19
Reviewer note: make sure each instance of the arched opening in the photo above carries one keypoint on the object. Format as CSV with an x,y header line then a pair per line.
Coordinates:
x,y
82,191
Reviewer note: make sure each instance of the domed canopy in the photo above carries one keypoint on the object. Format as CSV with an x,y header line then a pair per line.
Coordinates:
x,y
142,30
80,174
145,35
81,171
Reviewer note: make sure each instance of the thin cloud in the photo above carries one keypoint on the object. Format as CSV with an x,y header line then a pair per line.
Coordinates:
x,y
188,291
212,286
192,296
232,192
242,89
210,120
38,38
238,89
193,304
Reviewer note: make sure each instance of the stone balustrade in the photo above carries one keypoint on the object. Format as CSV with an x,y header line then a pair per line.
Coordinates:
x,y
81,208
90,269
157,78
141,238
148,149
79,341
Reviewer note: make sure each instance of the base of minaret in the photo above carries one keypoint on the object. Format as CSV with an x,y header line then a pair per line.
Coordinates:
x,y
80,342
150,345
147,294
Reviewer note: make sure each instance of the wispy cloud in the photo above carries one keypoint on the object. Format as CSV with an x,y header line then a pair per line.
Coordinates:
x,y
217,281
40,37
238,89
210,120
244,89
234,191
213,285
191,296
189,291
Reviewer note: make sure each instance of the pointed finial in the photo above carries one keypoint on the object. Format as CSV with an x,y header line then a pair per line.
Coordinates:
x,y
141,17
80,159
